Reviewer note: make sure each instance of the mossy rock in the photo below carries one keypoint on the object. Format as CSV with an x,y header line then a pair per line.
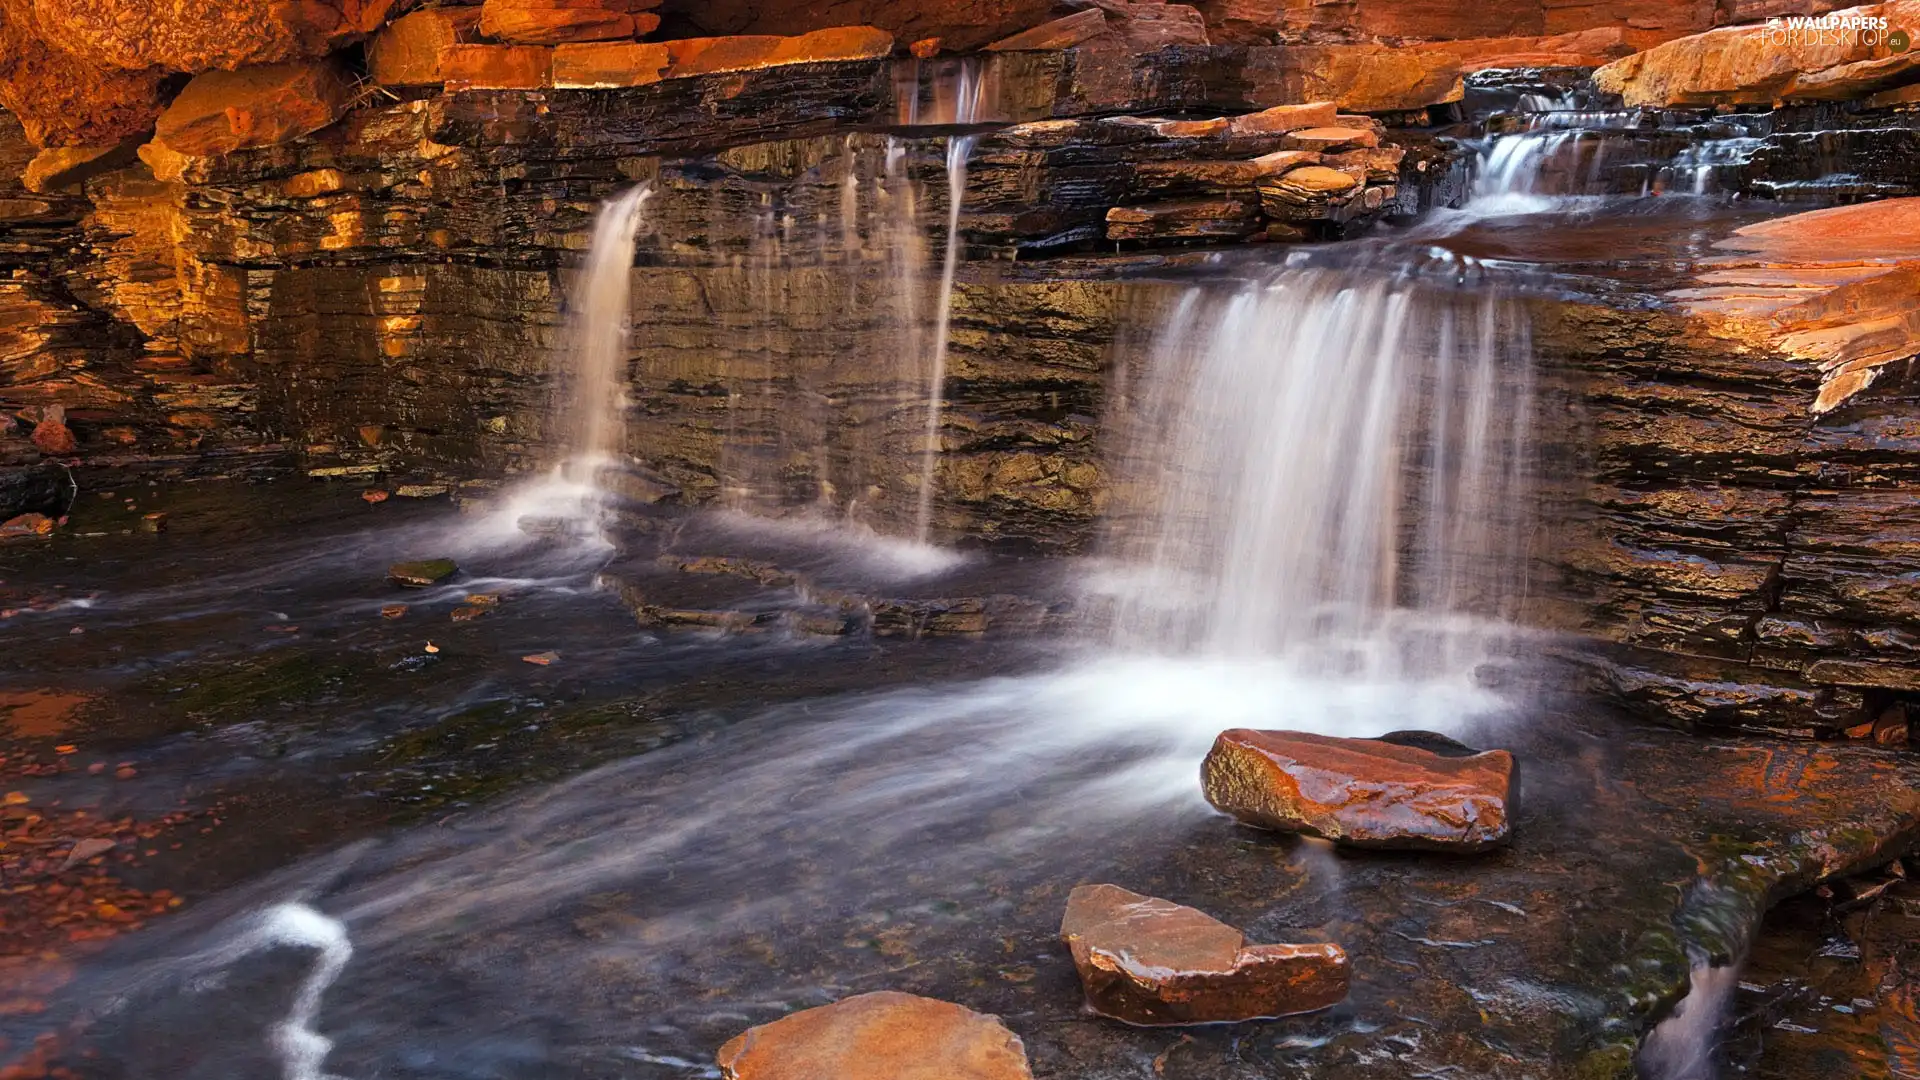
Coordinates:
x,y
421,573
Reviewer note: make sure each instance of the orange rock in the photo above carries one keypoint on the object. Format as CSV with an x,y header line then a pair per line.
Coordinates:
x,y
1327,140
26,525
1149,961
223,111
53,436
1284,118
705,56
498,67
1063,33
551,22
879,1036
602,64
411,50
1583,48
1357,78
68,166
1760,64
1194,129
192,35
925,48
1363,792
62,100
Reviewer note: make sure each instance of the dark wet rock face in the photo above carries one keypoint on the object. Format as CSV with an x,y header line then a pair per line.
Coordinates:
x,y
878,1036
1361,792
1152,962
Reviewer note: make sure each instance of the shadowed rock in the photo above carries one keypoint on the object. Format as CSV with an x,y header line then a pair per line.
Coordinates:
x,y
1362,792
1149,961
880,1036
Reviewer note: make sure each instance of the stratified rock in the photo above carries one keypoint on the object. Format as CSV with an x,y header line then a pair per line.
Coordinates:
x,y
1592,47
1149,961
1062,33
1359,78
26,525
68,166
1380,165
1362,792
421,573
604,64
1190,219
412,50
1309,193
1328,140
193,35
1761,64
1284,118
498,67
223,111
551,22
707,56
878,1036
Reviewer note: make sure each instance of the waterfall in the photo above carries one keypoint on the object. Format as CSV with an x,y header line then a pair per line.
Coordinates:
x,y
598,324
966,110
1329,466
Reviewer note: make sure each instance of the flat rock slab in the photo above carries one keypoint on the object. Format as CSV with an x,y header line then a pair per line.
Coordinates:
x,y
421,573
1148,961
878,1036
1361,792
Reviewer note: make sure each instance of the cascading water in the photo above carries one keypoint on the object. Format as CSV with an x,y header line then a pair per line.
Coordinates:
x,y
591,391
1324,457
966,110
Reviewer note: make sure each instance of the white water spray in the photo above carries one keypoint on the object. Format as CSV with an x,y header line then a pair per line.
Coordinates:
x,y
301,1048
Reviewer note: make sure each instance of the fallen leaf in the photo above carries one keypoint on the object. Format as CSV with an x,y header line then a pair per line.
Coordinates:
x,y
432,648
66,748
15,798
542,658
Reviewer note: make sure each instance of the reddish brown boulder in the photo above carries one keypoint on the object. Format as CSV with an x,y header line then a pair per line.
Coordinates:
x,y
551,22
1149,961
62,100
604,64
412,50
1186,219
1062,33
223,111
1284,118
1328,140
1358,78
1584,48
498,67
880,1036
707,56
1362,792
198,35
52,435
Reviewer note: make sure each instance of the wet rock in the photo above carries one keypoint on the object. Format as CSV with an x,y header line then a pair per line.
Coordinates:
x,y
1310,193
69,166
551,22
27,525
52,436
1062,33
421,573
878,1036
1329,140
222,111
1361,792
154,523
1188,220
497,67
707,56
412,50
43,488
607,64
1149,961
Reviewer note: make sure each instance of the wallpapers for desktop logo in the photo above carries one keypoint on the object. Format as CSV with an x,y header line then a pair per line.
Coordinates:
x,y
1871,31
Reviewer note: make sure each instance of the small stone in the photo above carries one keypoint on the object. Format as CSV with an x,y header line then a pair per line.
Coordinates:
x,y
374,496
54,437
432,648
392,611
1143,960
125,772
421,573
155,522
484,599
879,1036
925,48
1361,792
420,491
468,612
541,658
27,525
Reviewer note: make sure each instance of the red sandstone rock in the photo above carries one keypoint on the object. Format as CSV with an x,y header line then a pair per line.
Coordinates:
x,y
1757,65
925,48
1327,140
1149,961
1187,219
199,35
1193,129
1154,24
603,64
1584,48
551,22
1285,118
880,1036
67,166
498,67
1357,78
411,50
1378,164
1362,792
1063,33
223,111
63,100
706,56
53,436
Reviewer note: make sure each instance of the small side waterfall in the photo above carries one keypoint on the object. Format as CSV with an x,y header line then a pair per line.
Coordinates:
x,y
1321,460
966,109
598,325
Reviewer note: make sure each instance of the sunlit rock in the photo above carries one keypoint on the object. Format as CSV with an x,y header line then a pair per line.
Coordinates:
x,y
412,50
1284,118
879,1036
1189,219
68,166
223,111
498,67
1364,78
62,100
194,37
551,22
1361,792
1149,961
604,64
1328,140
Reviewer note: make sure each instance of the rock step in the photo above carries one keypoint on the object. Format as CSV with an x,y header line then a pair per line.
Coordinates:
x,y
878,1036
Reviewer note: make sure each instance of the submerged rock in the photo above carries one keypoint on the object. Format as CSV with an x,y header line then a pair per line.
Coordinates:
x,y
880,1036
1362,792
421,573
1149,961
